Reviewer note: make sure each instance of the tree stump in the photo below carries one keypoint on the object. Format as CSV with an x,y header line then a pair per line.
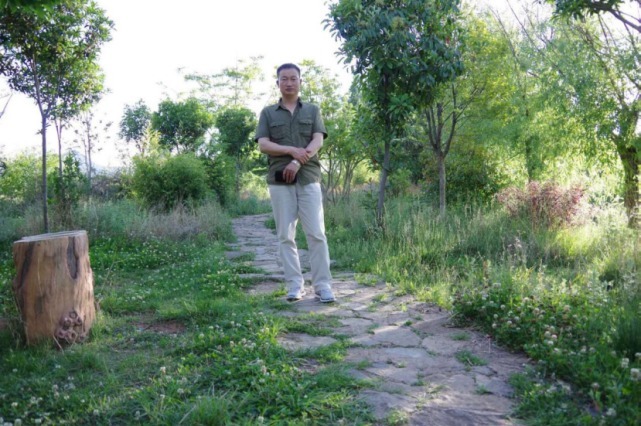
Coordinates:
x,y
54,286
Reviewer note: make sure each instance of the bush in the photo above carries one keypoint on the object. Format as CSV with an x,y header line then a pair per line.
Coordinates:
x,y
543,205
221,177
165,181
471,174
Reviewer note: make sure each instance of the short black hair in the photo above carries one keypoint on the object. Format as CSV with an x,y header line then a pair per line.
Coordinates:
x,y
287,66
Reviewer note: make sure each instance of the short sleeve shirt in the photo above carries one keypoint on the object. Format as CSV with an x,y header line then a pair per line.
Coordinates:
x,y
284,128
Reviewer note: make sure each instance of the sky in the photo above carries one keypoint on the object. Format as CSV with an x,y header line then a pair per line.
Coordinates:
x,y
152,39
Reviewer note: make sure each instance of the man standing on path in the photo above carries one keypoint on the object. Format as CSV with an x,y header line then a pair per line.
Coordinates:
x,y
291,133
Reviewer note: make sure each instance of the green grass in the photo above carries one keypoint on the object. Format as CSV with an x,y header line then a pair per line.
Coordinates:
x,y
566,297
176,341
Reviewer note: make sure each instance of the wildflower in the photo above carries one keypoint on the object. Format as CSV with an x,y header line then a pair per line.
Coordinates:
x,y
201,336
181,391
260,419
637,356
96,412
14,405
509,323
17,422
163,369
625,363
566,308
635,374
595,386
611,412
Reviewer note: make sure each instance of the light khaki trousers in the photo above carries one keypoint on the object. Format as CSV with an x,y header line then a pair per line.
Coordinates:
x,y
305,202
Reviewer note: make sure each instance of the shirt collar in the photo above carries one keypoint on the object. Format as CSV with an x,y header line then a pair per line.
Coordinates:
x,y
280,103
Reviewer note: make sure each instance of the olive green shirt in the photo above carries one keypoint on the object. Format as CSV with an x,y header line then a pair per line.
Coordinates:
x,y
284,128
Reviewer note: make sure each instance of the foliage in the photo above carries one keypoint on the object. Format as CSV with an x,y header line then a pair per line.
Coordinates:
x,y
580,9
51,56
543,205
221,173
232,87
68,190
20,182
400,51
166,181
174,321
182,125
134,124
472,173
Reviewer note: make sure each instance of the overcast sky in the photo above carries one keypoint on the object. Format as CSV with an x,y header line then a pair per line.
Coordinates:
x,y
152,39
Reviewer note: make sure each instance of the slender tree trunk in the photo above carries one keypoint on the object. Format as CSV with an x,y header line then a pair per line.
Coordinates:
x,y
383,182
441,183
629,156
45,216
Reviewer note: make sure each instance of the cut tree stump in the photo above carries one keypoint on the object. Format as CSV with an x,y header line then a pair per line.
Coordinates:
x,y
54,286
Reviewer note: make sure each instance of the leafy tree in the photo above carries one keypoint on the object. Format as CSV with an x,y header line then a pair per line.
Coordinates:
x,y
400,50
134,124
236,126
5,98
51,56
582,8
182,125
19,181
232,87
164,181
88,137
31,6
68,188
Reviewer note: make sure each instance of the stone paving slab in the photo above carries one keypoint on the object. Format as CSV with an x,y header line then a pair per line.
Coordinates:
x,y
407,349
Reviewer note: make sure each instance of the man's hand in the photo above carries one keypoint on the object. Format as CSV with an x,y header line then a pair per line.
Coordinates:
x,y
300,154
289,172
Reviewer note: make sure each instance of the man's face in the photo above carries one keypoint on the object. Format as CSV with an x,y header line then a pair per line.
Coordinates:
x,y
289,82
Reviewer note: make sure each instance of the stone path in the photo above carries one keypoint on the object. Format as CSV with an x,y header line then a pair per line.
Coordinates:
x,y
425,371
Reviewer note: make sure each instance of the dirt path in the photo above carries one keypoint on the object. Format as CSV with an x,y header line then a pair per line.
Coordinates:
x,y
427,372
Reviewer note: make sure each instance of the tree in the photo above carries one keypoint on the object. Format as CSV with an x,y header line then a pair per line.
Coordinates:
x,y
579,9
5,98
50,55
182,125
232,87
236,126
88,133
400,50
134,125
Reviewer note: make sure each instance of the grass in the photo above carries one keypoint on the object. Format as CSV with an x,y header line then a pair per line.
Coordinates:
x,y
566,297
176,341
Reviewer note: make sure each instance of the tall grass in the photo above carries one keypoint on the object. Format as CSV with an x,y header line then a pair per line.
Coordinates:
x,y
568,297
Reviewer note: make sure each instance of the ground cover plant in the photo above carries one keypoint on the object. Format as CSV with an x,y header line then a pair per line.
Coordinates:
x,y
567,296
177,341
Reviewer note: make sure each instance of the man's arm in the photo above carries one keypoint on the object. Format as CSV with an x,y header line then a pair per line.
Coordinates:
x,y
315,145
268,147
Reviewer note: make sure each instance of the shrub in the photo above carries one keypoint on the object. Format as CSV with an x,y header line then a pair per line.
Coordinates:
x,y
471,174
221,177
165,181
543,205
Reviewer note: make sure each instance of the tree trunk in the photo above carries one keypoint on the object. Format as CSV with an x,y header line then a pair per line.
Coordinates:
x,y
381,187
630,160
45,214
54,286
441,183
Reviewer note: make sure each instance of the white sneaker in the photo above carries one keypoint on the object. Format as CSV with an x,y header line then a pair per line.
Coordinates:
x,y
326,295
296,295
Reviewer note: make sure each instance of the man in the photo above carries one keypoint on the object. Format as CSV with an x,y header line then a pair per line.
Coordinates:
x,y
291,133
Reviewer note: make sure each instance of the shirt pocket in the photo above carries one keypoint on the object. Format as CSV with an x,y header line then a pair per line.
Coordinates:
x,y
305,128
277,130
